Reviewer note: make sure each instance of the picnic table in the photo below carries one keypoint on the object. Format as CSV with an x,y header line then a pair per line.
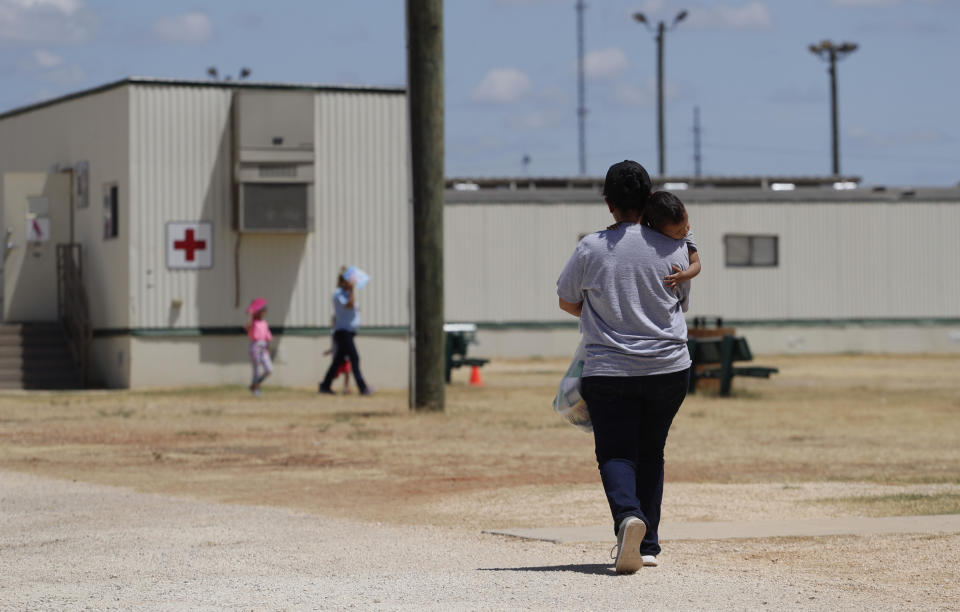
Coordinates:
x,y
458,337
714,357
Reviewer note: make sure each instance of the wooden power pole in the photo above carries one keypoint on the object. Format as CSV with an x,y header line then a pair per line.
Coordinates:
x,y
425,100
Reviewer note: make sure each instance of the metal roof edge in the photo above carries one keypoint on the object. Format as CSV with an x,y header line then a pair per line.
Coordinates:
x,y
149,81
266,85
22,110
555,196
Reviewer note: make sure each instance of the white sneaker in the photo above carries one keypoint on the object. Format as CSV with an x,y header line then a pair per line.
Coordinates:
x,y
650,561
629,538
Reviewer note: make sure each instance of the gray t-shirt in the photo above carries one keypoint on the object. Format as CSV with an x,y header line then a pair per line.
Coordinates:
x,y
632,324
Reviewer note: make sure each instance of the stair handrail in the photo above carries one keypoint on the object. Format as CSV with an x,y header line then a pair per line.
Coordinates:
x,y
73,307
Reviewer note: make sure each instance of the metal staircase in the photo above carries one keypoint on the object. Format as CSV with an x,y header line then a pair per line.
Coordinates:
x,y
51,354
37,356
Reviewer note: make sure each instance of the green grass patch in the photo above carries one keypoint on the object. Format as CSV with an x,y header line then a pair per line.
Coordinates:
x,y
203,435
119,412
902,504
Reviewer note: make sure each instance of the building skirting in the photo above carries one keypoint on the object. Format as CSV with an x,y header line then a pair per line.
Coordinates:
x,y
173,357
138,361
766,337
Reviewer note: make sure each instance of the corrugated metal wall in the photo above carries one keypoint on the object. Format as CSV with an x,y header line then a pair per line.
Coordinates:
x,y
838,260
362,218
501,261
181,171
91,128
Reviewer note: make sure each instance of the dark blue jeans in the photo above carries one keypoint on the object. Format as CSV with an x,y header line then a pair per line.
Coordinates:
x,y
345,348
631,416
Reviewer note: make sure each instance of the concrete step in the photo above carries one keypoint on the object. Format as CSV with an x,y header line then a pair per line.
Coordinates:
x,y
41,340
38,378
36,356
38,365
62,385
29,328
34,352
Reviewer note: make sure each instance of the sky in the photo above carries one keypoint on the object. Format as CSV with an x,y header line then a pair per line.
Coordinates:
x,y
511,78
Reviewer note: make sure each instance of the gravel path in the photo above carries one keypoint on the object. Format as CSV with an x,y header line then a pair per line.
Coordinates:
x,y
68,545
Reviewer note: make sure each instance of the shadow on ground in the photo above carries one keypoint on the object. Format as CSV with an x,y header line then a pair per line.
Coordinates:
x,y
600,569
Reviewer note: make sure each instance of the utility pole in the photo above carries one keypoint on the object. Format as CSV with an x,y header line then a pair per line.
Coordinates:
x,y
581,90
662,28
697,170
425,100
830,52
661,155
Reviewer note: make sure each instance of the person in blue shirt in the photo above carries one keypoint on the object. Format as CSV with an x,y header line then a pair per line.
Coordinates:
x,y
346,321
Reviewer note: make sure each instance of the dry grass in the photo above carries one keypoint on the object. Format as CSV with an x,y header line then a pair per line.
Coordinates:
x,y
899,504
499,451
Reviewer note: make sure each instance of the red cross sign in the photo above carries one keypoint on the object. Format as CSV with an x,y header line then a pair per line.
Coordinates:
x,y
189,245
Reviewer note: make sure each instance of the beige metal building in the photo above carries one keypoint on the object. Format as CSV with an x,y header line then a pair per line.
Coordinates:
x,y
807,269
188,199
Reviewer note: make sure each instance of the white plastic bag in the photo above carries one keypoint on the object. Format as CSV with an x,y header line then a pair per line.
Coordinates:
x,y
568,403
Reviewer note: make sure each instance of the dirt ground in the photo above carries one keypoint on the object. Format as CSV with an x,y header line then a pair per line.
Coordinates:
x,y
828,436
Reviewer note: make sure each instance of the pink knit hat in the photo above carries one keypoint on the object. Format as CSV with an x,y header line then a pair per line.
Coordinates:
x,y
256,305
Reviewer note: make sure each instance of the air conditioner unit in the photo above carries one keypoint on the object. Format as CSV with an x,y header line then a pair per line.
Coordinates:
x,y
274,161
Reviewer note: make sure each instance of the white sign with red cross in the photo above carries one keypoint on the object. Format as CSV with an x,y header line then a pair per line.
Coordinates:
x,y
189,245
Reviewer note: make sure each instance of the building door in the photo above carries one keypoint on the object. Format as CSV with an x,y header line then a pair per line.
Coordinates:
x,y
35,217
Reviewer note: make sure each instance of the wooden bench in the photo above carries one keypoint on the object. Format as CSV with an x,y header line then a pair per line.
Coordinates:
x,y
459,337
715,358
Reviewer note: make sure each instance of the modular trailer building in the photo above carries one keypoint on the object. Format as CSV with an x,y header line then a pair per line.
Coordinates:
x,y
812,269
190,198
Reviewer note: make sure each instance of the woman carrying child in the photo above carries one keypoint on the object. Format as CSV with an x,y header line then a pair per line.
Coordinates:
x,y
637,365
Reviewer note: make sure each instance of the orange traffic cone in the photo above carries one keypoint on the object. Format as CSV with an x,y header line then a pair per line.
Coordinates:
x,y
475,380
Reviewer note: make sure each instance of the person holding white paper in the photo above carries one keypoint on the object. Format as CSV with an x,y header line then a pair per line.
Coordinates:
x,y
346,321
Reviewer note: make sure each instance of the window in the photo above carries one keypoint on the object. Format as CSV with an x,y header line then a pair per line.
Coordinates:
x,y
111,215
754,251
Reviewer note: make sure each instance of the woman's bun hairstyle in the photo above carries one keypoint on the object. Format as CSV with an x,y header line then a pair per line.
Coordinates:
x,y
627,186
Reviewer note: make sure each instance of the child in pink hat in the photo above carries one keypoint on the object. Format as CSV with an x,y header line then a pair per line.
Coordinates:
x,y
259,333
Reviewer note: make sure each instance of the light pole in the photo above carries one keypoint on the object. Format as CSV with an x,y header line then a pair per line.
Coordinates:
x,y
831,53
581,90
662,28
